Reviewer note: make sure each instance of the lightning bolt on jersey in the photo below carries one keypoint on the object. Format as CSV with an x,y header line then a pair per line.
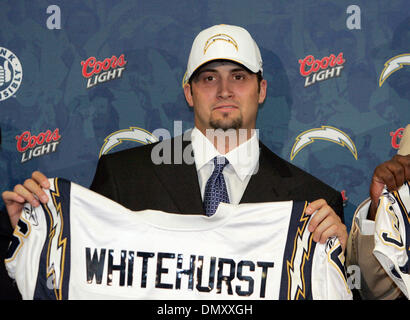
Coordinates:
x,y
392,236
81,245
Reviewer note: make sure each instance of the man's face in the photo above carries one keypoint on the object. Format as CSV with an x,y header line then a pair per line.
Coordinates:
x,y
225,96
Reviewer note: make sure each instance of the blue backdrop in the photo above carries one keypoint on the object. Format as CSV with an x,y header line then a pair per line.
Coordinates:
x,y
337,71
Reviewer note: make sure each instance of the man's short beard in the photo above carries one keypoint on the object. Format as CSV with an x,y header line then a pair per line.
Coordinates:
x,y
221,124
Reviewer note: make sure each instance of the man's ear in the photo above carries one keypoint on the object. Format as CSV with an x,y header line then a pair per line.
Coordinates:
x,y
263,90
188,95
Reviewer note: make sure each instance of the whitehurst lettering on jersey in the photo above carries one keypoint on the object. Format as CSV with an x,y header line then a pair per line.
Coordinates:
x,y
392,236
82,245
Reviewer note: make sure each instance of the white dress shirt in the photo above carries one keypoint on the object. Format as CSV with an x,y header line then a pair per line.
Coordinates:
x,y
243,163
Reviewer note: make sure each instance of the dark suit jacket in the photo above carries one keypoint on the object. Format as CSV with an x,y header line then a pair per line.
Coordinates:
x,y
130,178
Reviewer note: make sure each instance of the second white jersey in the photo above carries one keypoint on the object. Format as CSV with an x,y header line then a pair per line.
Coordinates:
x,y
392,236
82,245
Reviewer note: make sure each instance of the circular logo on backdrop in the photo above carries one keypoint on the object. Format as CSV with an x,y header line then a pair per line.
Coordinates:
x,y
11,73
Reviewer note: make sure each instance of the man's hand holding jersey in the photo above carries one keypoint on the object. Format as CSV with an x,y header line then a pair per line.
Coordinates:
x,y
326,223
31,191
393,174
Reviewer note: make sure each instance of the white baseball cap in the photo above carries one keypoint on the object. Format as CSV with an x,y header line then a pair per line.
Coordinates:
x,y
224,42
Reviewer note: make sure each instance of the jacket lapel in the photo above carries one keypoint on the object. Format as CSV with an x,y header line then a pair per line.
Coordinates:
x,y
271,182
181,180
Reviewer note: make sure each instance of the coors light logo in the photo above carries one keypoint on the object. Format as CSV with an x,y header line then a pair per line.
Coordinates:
x,y
315,70
396,138
31,146
97,72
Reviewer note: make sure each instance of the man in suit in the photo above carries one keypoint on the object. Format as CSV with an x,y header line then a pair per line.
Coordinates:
x,y
224,85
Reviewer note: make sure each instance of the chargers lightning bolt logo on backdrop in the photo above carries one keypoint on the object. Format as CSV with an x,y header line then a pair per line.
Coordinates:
x,y
392,65
327,133
131,134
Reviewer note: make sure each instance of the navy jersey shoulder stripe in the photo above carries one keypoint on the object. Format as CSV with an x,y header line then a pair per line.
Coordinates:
x,y
298,257
54,268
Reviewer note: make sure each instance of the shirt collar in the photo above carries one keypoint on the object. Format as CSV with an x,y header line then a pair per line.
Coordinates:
x,y
243,158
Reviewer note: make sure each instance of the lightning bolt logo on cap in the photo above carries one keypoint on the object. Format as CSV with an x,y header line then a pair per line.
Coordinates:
x,y
392,65
220,37
327,133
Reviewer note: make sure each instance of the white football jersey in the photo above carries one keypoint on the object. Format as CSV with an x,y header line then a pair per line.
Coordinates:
x,y
392,236
82,245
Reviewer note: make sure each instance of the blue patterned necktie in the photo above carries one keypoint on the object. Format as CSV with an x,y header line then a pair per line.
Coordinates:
x,y
215,189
